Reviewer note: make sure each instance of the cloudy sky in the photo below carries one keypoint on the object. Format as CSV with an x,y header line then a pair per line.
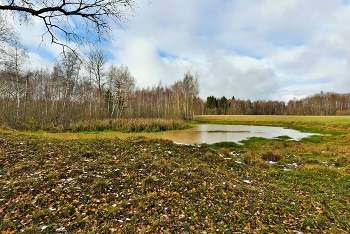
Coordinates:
x,y
250,49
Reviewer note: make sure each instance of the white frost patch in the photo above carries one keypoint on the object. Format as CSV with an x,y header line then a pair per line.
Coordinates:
x,y
62,229
293,165
233,153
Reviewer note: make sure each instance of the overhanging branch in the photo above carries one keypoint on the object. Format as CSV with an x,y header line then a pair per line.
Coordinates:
x,y
57,15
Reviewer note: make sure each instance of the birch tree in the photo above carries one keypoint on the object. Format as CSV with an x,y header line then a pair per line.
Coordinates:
x,y
70,68
7,33
121,84
12,60
95,65
190,91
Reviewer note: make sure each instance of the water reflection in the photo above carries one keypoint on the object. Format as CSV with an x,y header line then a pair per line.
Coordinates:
x,y
212,133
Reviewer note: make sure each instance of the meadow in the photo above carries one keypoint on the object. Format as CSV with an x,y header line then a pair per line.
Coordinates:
x,y
146,185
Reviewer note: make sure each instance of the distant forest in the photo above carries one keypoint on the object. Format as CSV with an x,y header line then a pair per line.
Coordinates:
x,y
323,103
75,90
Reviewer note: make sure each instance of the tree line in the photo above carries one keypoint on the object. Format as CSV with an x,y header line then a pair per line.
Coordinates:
x,y
77,90
323,103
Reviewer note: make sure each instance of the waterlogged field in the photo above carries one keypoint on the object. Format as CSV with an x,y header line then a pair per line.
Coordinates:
x,y
148,185
319,124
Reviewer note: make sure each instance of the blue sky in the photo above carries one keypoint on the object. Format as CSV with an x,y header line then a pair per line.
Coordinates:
x,y
266,49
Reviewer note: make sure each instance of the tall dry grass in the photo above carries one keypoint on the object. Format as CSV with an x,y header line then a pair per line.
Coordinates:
x,y
128,125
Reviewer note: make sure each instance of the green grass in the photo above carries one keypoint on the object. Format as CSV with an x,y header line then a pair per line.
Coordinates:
x,y
143,185
319,124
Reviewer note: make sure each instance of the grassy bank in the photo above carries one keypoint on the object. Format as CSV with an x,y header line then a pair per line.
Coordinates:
x,y
321,124
125,125
155,186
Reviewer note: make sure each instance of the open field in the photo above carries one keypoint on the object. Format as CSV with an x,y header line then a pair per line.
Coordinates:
x,y
147,185
320,124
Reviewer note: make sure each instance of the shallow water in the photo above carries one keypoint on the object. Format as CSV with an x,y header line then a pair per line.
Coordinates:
x,y
203,133
213,133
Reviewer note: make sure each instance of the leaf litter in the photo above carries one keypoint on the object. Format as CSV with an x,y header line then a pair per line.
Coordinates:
x,y
157,186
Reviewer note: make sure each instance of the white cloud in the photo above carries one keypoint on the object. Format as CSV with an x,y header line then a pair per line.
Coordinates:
x,y
249,49
241,77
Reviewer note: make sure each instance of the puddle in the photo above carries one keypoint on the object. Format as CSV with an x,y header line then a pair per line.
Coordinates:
x,y
213,133
203,133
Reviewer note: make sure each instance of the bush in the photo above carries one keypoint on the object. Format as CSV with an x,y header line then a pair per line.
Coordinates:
x,y
253,160
272,156
224,153
99,187
342,161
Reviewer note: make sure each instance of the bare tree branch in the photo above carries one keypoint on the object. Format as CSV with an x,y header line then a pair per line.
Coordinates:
x,y
7,34
78,21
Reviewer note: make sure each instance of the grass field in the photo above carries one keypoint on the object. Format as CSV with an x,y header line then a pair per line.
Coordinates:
x,y
321,124
142,185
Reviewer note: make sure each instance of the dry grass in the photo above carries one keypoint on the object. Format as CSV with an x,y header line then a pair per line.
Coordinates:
x,y
141,185
119,124
252,159
319,123
272,156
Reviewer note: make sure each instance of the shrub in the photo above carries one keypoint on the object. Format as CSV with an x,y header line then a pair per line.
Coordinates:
x,y
253,160
224,152
342,161
99,187
272,156
150,183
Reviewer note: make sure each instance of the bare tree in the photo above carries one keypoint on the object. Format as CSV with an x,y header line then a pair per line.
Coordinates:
x,y
79,21
12,60
159,97
7,34
95,65
190,90
121,85
70,68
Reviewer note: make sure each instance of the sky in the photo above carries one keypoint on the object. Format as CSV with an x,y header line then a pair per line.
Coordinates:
x,y
249,49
